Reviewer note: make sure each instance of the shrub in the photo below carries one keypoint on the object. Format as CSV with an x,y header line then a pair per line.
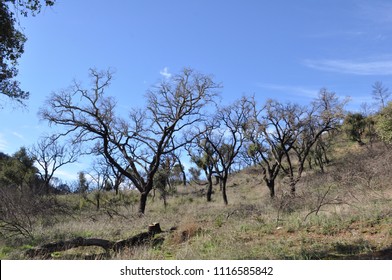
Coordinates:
x,y
384,124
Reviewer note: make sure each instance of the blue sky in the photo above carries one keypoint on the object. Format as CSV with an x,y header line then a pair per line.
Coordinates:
x,y
286,50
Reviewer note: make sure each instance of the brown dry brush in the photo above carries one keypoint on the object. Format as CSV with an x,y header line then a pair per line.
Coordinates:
x,y
324,197
22,210
353,180
16,214
365,174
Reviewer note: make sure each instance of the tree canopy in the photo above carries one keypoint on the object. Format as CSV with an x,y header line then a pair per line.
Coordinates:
x,y
12,42
384,124
136,145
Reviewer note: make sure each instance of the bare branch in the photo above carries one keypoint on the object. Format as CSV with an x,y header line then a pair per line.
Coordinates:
x,y
135,146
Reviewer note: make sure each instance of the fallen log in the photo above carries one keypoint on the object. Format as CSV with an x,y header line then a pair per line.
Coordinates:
x,y
46,249
137,240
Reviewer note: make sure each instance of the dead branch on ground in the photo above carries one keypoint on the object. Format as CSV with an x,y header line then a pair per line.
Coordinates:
x,y
137,240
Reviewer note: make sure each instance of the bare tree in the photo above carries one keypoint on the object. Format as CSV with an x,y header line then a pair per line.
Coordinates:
x,y
50,155
103,177
227,138
98,179
172,164
380,93
180,167
271,137
107,176
319,152
281,136
325,114
133,146
204,156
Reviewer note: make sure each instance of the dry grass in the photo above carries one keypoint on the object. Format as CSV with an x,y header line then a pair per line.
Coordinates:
x,y
344,213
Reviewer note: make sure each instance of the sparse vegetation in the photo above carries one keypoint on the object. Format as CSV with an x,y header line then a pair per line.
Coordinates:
x,y
343,213
299,176
326,198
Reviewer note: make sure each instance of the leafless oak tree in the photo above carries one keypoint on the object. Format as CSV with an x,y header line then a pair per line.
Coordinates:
x,y
227,138
271,138
325,114
50,155
135,145
203,155
281,135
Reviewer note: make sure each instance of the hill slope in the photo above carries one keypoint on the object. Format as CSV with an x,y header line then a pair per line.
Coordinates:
x,y
344,213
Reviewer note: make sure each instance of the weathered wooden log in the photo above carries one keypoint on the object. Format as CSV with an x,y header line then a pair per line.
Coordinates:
x,y
69,244
137,240
140,239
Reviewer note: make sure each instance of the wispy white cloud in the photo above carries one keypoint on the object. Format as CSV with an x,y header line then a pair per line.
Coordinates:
x,y
18,135
369,67
3,143
165,73
300,91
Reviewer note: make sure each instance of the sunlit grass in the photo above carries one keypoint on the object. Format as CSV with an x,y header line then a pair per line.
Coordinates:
x,y
354,220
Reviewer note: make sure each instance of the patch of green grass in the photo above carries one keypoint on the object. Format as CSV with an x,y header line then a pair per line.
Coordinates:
x,y
280,249
314,251
245,228
352,248
329,225
219,221
4,252
56,255
208,247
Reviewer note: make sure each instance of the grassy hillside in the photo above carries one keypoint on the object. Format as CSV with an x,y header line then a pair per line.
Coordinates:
x,y
344,213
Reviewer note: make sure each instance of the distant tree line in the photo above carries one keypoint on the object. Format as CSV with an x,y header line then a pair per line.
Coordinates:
x,y
19,171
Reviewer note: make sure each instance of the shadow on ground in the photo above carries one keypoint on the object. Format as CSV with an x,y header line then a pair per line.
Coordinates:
x,y
351,253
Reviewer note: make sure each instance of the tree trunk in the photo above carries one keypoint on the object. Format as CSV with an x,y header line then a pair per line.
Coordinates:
x,y
143,202
310,163
97,196
47,188
292,187
209,189
271,187
320,163
183,177
182,170
326,159
223,182
116,187
163,196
